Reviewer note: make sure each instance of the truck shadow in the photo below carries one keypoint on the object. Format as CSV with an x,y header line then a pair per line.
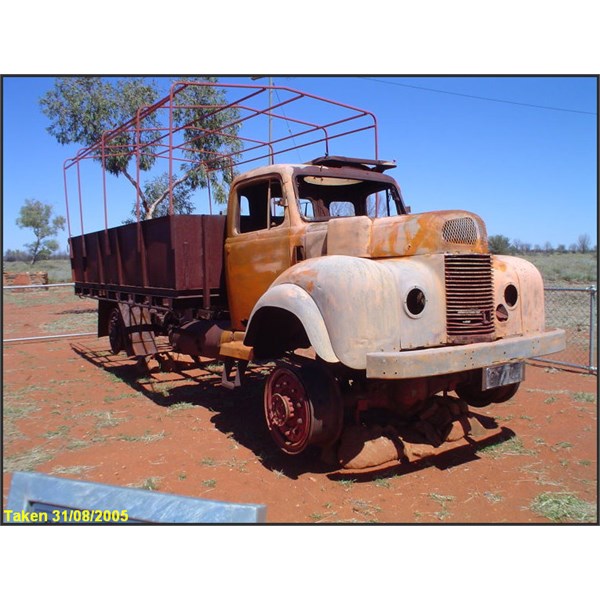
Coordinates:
x,y
236,413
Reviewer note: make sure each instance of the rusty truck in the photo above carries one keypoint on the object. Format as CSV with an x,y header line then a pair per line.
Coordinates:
x,y
322,270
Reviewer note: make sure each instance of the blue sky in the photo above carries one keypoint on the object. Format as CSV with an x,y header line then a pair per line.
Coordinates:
x,y
519,151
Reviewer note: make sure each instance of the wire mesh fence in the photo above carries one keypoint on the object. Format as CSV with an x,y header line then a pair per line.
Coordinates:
x,y
59,314
574,309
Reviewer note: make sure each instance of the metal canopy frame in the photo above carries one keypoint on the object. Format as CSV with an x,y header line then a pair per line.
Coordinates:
x,y
250,102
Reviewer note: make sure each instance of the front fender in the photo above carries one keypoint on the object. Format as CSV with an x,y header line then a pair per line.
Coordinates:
x,y
297,302
357,302
527,314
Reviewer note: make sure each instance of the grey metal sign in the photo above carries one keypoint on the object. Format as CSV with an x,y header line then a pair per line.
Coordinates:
x,y
40,498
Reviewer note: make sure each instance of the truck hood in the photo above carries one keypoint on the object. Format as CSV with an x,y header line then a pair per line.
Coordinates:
x,y
406,235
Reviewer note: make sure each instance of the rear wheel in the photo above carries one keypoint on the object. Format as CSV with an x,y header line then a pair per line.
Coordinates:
x,y
116,331
303,408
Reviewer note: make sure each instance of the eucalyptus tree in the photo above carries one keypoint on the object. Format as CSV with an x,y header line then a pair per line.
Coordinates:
x,y
37,216
82,109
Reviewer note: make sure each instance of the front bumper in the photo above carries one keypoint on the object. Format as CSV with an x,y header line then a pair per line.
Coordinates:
x,y
455,359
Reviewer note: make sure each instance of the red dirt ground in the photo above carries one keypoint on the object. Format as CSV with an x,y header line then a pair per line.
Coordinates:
x,y
72,409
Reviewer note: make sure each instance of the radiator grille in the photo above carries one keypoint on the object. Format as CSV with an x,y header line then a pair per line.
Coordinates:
x,y
469,298
460,231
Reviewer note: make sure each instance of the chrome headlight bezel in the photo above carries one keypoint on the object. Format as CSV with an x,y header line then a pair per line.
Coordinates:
x,y
415,302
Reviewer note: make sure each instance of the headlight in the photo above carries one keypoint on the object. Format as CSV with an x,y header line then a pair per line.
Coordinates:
x,y
415,301
511,295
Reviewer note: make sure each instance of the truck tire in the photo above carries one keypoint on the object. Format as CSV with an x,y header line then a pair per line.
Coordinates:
x,y
117,335
303,408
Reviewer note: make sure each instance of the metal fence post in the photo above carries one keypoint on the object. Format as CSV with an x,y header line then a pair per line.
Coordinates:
x,y
593,292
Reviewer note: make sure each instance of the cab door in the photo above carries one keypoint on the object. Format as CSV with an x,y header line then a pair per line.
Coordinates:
x,y
258,246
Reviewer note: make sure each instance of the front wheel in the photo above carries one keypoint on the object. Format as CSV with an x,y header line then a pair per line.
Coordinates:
x,y
474,396
303,408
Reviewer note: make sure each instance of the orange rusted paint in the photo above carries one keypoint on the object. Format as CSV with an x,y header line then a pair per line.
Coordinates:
x,y
327,260
409,235
255,259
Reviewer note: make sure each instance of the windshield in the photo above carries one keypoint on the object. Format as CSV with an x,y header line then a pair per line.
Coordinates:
x,y
324,197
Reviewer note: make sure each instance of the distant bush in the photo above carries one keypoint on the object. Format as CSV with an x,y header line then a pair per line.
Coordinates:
x,y
23,256
59,270
566,268
499,244
16,255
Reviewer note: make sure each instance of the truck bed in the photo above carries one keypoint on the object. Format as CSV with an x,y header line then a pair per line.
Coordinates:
x,y
179,256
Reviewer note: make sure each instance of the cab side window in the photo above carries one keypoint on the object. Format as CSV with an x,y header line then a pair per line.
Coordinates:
x,y
381,204
261,206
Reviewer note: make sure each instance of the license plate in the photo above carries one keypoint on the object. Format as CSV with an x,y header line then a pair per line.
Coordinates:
x,y
500,375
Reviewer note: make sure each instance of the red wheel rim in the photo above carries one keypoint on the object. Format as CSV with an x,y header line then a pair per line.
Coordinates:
x,y
288,411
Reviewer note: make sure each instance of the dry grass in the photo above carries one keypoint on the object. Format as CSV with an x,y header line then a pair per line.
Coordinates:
x,y
564,507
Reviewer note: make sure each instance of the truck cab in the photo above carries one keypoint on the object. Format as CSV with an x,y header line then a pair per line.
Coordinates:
x,y
280,215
